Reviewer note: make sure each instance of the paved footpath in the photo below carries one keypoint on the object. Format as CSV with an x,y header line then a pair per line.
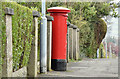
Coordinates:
x,y
88,68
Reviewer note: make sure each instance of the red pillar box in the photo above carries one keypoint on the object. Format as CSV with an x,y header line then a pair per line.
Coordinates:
x,y
59,40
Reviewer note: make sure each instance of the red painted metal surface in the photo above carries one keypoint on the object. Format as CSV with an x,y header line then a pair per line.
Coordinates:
x,y
59,32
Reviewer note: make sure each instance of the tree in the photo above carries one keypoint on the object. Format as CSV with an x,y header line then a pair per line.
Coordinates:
x,y
87,16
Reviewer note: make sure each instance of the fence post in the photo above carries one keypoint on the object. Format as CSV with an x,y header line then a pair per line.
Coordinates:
x,y
71,41
7,64
110,52
67,56
106,47
97,52
78,49
75,42
101,53
49,41
32,65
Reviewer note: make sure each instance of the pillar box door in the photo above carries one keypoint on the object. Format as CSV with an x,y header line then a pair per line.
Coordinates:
x,y
59,41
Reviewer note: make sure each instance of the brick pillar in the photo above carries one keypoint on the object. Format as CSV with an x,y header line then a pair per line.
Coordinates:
x,y
7,64
75,42
32,65
71,41
49,41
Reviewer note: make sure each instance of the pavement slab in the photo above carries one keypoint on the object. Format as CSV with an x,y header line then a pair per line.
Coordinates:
x,y
88,68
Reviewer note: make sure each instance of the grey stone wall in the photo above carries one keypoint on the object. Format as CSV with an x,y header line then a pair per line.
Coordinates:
x,y
67,56
7,61
70,43
31,70
75,55
78,48
49,41
32,64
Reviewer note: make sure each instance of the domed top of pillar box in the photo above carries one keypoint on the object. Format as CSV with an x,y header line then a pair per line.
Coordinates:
x,y
58,10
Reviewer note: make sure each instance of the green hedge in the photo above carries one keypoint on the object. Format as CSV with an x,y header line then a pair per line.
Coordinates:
x,y
91,35
0,41
22,24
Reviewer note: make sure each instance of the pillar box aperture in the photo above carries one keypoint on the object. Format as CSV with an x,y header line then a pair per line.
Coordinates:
x,y
59,40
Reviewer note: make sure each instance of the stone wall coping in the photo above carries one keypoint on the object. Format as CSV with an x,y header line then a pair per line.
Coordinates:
x,y
9,11
36,14
74,27
49,18
78,29
71,26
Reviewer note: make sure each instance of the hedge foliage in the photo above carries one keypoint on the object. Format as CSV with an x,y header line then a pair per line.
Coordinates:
x,y
22,24
0,40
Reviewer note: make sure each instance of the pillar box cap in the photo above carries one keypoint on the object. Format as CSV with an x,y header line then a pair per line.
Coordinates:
x,y
58,10
78,29
49,18
74,27
71,26
36,14
68,24
9,11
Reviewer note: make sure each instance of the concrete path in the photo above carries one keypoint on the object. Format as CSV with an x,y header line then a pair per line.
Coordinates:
x,y
88,68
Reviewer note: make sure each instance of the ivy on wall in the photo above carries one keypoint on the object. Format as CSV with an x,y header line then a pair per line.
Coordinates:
x,y
22,25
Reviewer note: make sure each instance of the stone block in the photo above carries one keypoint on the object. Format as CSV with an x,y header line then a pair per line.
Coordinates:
x,y
36,14
9,11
